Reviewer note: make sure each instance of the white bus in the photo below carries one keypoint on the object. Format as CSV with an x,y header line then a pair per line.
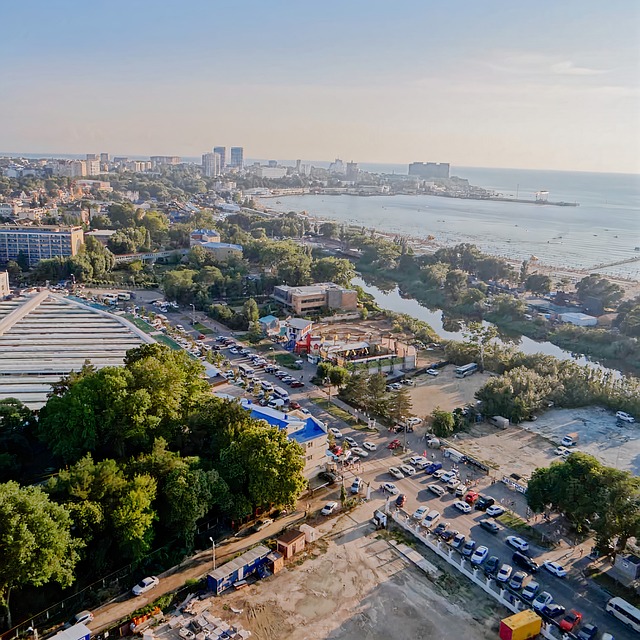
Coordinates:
x,y
246,370
466,370
281,393
624,611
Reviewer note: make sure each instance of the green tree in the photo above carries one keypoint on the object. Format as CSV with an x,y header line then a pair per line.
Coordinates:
x,y
36,545
442,423
250,310
481,337
538,283
399,405
329,229
338,376
455,284
594,286
338,270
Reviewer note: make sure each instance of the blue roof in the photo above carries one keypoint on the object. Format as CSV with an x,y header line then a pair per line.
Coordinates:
x,y
311,431
226,245
268,319
309,428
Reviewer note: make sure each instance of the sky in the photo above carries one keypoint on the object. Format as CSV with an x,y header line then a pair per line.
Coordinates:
x,y
536,84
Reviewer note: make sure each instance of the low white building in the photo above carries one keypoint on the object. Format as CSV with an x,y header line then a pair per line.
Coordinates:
x,y
579,319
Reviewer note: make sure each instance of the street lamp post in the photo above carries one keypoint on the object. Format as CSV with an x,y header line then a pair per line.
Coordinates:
x,y
213,552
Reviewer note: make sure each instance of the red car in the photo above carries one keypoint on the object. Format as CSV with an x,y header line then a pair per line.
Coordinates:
x,y
394,445
296,384
294,405
571,620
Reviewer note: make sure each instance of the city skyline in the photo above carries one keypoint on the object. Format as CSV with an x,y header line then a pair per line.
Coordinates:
x,y
495,85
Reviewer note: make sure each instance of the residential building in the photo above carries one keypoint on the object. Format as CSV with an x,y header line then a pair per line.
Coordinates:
x,y
352,171
8,209
297,329
290,543
209,240
4,284
93,167
198,236
303,300
429,169
309,432
211,164
270,325
68,168
273,173
87,185
236,159
158,161
222,152
104,158
39,243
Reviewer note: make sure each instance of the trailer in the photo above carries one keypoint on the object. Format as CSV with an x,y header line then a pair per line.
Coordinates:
x,y
499,421
76,632
237,570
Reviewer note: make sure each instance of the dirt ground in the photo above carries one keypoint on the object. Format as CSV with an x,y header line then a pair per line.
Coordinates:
x,y
354,586
444,391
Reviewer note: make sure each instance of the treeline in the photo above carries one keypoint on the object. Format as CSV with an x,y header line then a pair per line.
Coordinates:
x,y
146,452
529,383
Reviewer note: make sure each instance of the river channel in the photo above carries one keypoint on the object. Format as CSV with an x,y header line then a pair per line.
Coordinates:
x,y
395,302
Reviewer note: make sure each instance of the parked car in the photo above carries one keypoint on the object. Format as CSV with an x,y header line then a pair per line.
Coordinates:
x,y
460,490
84,617
479,555
505,573
571,620
391,488
369,446
490,526
448,534
468,548
491,565
517,580
587,632
438,473
329,508
337,434
524,561
327,476
517,543
408,470
416,460
420,512
553,610
471,497
400,501
359,451
530,591
495,511
449,475
394,444
351,441
262,524
396,473
484,502
555,568
296,384
542,599
452,485
356,485
625,417
440,529
460,505
146,584
433,372
458,541
437,489
431,518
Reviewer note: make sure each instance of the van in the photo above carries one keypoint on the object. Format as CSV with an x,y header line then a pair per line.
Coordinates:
x,y
433,467
276,403
281,393
431,518
266,386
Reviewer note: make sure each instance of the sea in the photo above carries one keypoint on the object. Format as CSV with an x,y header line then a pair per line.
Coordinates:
x,y
604,229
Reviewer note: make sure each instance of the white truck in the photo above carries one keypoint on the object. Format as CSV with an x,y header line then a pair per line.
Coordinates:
x,y
570,440
499,421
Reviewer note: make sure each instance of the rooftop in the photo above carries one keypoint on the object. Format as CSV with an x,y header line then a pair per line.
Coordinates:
x,y
298,323
215,245
45,336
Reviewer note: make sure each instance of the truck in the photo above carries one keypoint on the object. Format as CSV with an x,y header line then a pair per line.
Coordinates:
x,y
499,421
520,626
379,519
276,403
570,440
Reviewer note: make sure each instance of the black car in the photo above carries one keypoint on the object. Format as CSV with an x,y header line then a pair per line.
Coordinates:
x,y
552,610
440,529
484,502
525,562
400,500
490,526
587,632
492,565
449,534
327,476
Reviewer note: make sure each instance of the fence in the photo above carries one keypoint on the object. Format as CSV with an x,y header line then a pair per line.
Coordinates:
x,y
488,584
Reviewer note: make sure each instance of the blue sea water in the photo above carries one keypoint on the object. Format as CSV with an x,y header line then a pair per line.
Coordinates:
x,y
605,228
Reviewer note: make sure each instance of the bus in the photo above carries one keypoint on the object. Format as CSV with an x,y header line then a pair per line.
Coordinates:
x,y
625,612
466,370
245,370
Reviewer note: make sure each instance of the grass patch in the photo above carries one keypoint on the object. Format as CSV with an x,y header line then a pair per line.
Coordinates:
x,y
141,324
162,339
615,588
287,360
336,412
202,329
517,524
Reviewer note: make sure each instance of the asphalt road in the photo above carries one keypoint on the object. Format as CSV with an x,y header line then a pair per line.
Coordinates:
x,y
574,591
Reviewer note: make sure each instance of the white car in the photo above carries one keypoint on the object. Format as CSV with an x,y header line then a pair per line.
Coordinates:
x,y
625,417
359,451
396,386
437,489
505,573
337,434
146,584
438,473
329,508
396,473
461,505
560,451
433,372
408,470
495,510
541,600
448,476
479,555
391,488
555,568
420,512
414,421
369,446
517,543
351,441
416,460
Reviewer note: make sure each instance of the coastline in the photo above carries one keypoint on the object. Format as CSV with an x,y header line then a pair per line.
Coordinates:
x,y
431,244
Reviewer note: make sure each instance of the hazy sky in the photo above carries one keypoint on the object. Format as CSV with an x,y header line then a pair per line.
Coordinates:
x,y
549,84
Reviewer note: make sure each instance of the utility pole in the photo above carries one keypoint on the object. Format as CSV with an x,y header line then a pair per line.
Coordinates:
x,y
193,314
213,552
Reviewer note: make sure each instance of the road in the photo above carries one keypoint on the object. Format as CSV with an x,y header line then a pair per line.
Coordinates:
x,y
574,591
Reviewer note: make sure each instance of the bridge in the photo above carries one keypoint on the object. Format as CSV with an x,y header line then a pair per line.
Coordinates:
x,y
150,257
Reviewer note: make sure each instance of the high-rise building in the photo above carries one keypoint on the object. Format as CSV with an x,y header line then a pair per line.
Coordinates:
x,y
237,157
104,158
157,161
39,243
429,169
222,152
211,165
352,171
